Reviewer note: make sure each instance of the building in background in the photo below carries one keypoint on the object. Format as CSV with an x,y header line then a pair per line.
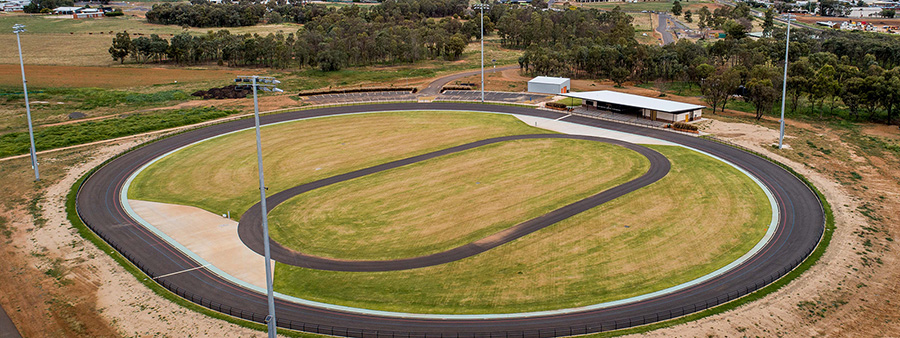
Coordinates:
x,y
549,85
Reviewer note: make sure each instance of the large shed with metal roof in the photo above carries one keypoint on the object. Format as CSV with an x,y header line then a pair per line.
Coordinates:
x,y
642,106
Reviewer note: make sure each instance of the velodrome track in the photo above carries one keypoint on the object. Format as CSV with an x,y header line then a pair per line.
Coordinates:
x,y
801,225
251,234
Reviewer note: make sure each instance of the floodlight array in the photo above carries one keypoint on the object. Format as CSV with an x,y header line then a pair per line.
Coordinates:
x,y
18,28
264,83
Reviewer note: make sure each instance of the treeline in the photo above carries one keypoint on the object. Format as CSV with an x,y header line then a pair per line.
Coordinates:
x,y
204,14
330,42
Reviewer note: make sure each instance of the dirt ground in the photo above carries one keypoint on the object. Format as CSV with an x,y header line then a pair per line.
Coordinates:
x,y
853,290
56,285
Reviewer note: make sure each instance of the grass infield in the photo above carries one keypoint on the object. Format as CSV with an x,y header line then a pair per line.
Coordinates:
x,y
450,201
636,244
639,243
220,175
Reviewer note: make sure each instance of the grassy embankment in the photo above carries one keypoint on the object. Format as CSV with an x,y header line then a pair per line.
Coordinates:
x,y
73,134
446,202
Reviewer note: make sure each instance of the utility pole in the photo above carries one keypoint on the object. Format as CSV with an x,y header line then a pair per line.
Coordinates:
x,y
481,7
787,44
269,86
17,28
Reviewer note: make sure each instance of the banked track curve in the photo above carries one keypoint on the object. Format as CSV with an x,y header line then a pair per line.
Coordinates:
x,y
799,229
250,226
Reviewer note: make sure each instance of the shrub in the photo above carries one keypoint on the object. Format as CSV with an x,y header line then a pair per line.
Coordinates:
x,y
685,126
117,12
556,105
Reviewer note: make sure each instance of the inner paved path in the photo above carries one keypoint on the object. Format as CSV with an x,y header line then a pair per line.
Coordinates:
x,y
250,226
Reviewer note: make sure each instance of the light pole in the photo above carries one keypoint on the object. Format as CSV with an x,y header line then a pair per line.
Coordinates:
x,y
481,7
268,84
787,43
17,28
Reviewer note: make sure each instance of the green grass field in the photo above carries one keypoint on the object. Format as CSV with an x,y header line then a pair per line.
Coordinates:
x,y
220,176
642,242
446,202
639,243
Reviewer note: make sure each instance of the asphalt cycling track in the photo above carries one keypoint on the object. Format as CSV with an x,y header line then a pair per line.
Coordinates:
x,y
799,229
250,226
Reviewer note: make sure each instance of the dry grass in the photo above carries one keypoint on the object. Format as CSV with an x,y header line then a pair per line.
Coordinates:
x,y
106,77
446,202
220,176
641,242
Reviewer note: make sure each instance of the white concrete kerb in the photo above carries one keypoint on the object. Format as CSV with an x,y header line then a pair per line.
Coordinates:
x,y
541,123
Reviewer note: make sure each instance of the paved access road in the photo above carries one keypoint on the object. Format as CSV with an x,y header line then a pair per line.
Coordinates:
x,y
662,28
799,229
434,88
250,226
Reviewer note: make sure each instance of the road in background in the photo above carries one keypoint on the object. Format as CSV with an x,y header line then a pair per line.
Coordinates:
x,y
663,29
7,328
434,88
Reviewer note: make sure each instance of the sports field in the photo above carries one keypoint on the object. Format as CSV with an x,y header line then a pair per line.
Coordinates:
x,y
450,201
701,216
221,176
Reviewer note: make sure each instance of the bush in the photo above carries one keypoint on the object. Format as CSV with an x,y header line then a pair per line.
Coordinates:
x,y
556,105
117,12
685,126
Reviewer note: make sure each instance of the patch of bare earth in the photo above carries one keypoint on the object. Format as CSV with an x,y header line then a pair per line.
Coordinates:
x,y
56,284
852,291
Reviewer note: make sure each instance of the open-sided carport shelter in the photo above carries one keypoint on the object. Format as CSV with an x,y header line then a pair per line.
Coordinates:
x,y
647,107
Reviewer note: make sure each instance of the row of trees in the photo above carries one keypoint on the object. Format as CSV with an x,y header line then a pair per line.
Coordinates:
x,y
332,42
200,13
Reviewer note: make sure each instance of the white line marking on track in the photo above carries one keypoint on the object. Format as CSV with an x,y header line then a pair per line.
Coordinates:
x,y
563,117
182,271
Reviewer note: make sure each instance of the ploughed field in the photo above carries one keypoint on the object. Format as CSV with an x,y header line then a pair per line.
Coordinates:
x,y
703,215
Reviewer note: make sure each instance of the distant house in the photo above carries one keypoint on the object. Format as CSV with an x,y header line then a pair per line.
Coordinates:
x,y
88,13
66,10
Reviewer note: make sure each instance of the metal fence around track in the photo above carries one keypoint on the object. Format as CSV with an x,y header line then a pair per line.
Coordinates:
x,y
586,328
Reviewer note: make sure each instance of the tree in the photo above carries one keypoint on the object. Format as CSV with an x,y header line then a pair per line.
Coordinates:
x,y
888,13
703,15
825,86
676,8
734,30
853,93
688,16
619,75
331,60
762,95
717,88
121,47
456,46
829,8
769,23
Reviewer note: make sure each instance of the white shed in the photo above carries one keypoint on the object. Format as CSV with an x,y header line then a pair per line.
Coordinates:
x,y
549,85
